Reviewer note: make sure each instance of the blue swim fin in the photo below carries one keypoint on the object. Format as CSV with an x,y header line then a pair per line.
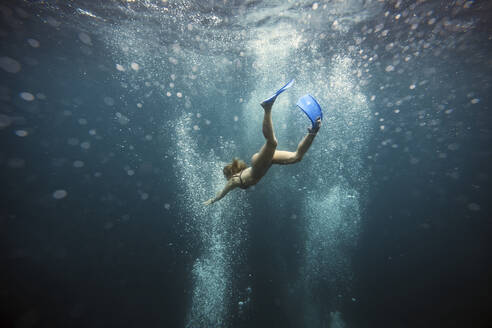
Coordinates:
x,y
279,91
310,106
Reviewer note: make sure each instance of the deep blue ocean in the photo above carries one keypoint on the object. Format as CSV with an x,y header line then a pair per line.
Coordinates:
x,y
117,117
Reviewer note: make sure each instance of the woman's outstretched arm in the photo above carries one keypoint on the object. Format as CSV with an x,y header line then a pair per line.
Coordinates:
x,y
231,184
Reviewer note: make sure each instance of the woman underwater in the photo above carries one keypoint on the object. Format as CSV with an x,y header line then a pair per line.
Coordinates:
x,y
238,174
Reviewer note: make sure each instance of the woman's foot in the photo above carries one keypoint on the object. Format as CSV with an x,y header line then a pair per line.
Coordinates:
x,y
268,103
316,127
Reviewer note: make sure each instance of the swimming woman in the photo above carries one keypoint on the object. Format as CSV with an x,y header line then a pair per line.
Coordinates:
x,y
238,174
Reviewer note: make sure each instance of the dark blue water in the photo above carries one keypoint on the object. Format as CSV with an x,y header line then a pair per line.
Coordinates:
x,y
117,118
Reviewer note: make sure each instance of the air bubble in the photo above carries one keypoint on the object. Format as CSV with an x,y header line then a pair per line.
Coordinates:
x,y
122,119
33,43
78,164
85,38
60,194
53,22
453,146
27,96
21,133
109,101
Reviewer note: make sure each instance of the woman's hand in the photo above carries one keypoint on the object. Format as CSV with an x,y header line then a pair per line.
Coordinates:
x,y
208,202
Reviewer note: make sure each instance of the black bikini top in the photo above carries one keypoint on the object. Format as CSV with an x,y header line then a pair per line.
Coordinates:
x,y
242,185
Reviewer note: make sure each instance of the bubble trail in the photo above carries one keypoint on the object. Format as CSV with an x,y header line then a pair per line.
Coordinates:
x,y
333,210
212,271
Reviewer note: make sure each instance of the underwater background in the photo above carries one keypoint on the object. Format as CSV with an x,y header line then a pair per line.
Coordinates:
x,y
116,118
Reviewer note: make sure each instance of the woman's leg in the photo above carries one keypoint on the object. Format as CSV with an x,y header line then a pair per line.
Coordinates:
x,y
288,157
268,131
263,159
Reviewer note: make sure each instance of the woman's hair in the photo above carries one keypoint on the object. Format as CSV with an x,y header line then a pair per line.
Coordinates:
x,y
235,167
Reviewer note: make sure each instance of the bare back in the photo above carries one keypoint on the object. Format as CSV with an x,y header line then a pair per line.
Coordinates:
x,y
248,178
260,163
